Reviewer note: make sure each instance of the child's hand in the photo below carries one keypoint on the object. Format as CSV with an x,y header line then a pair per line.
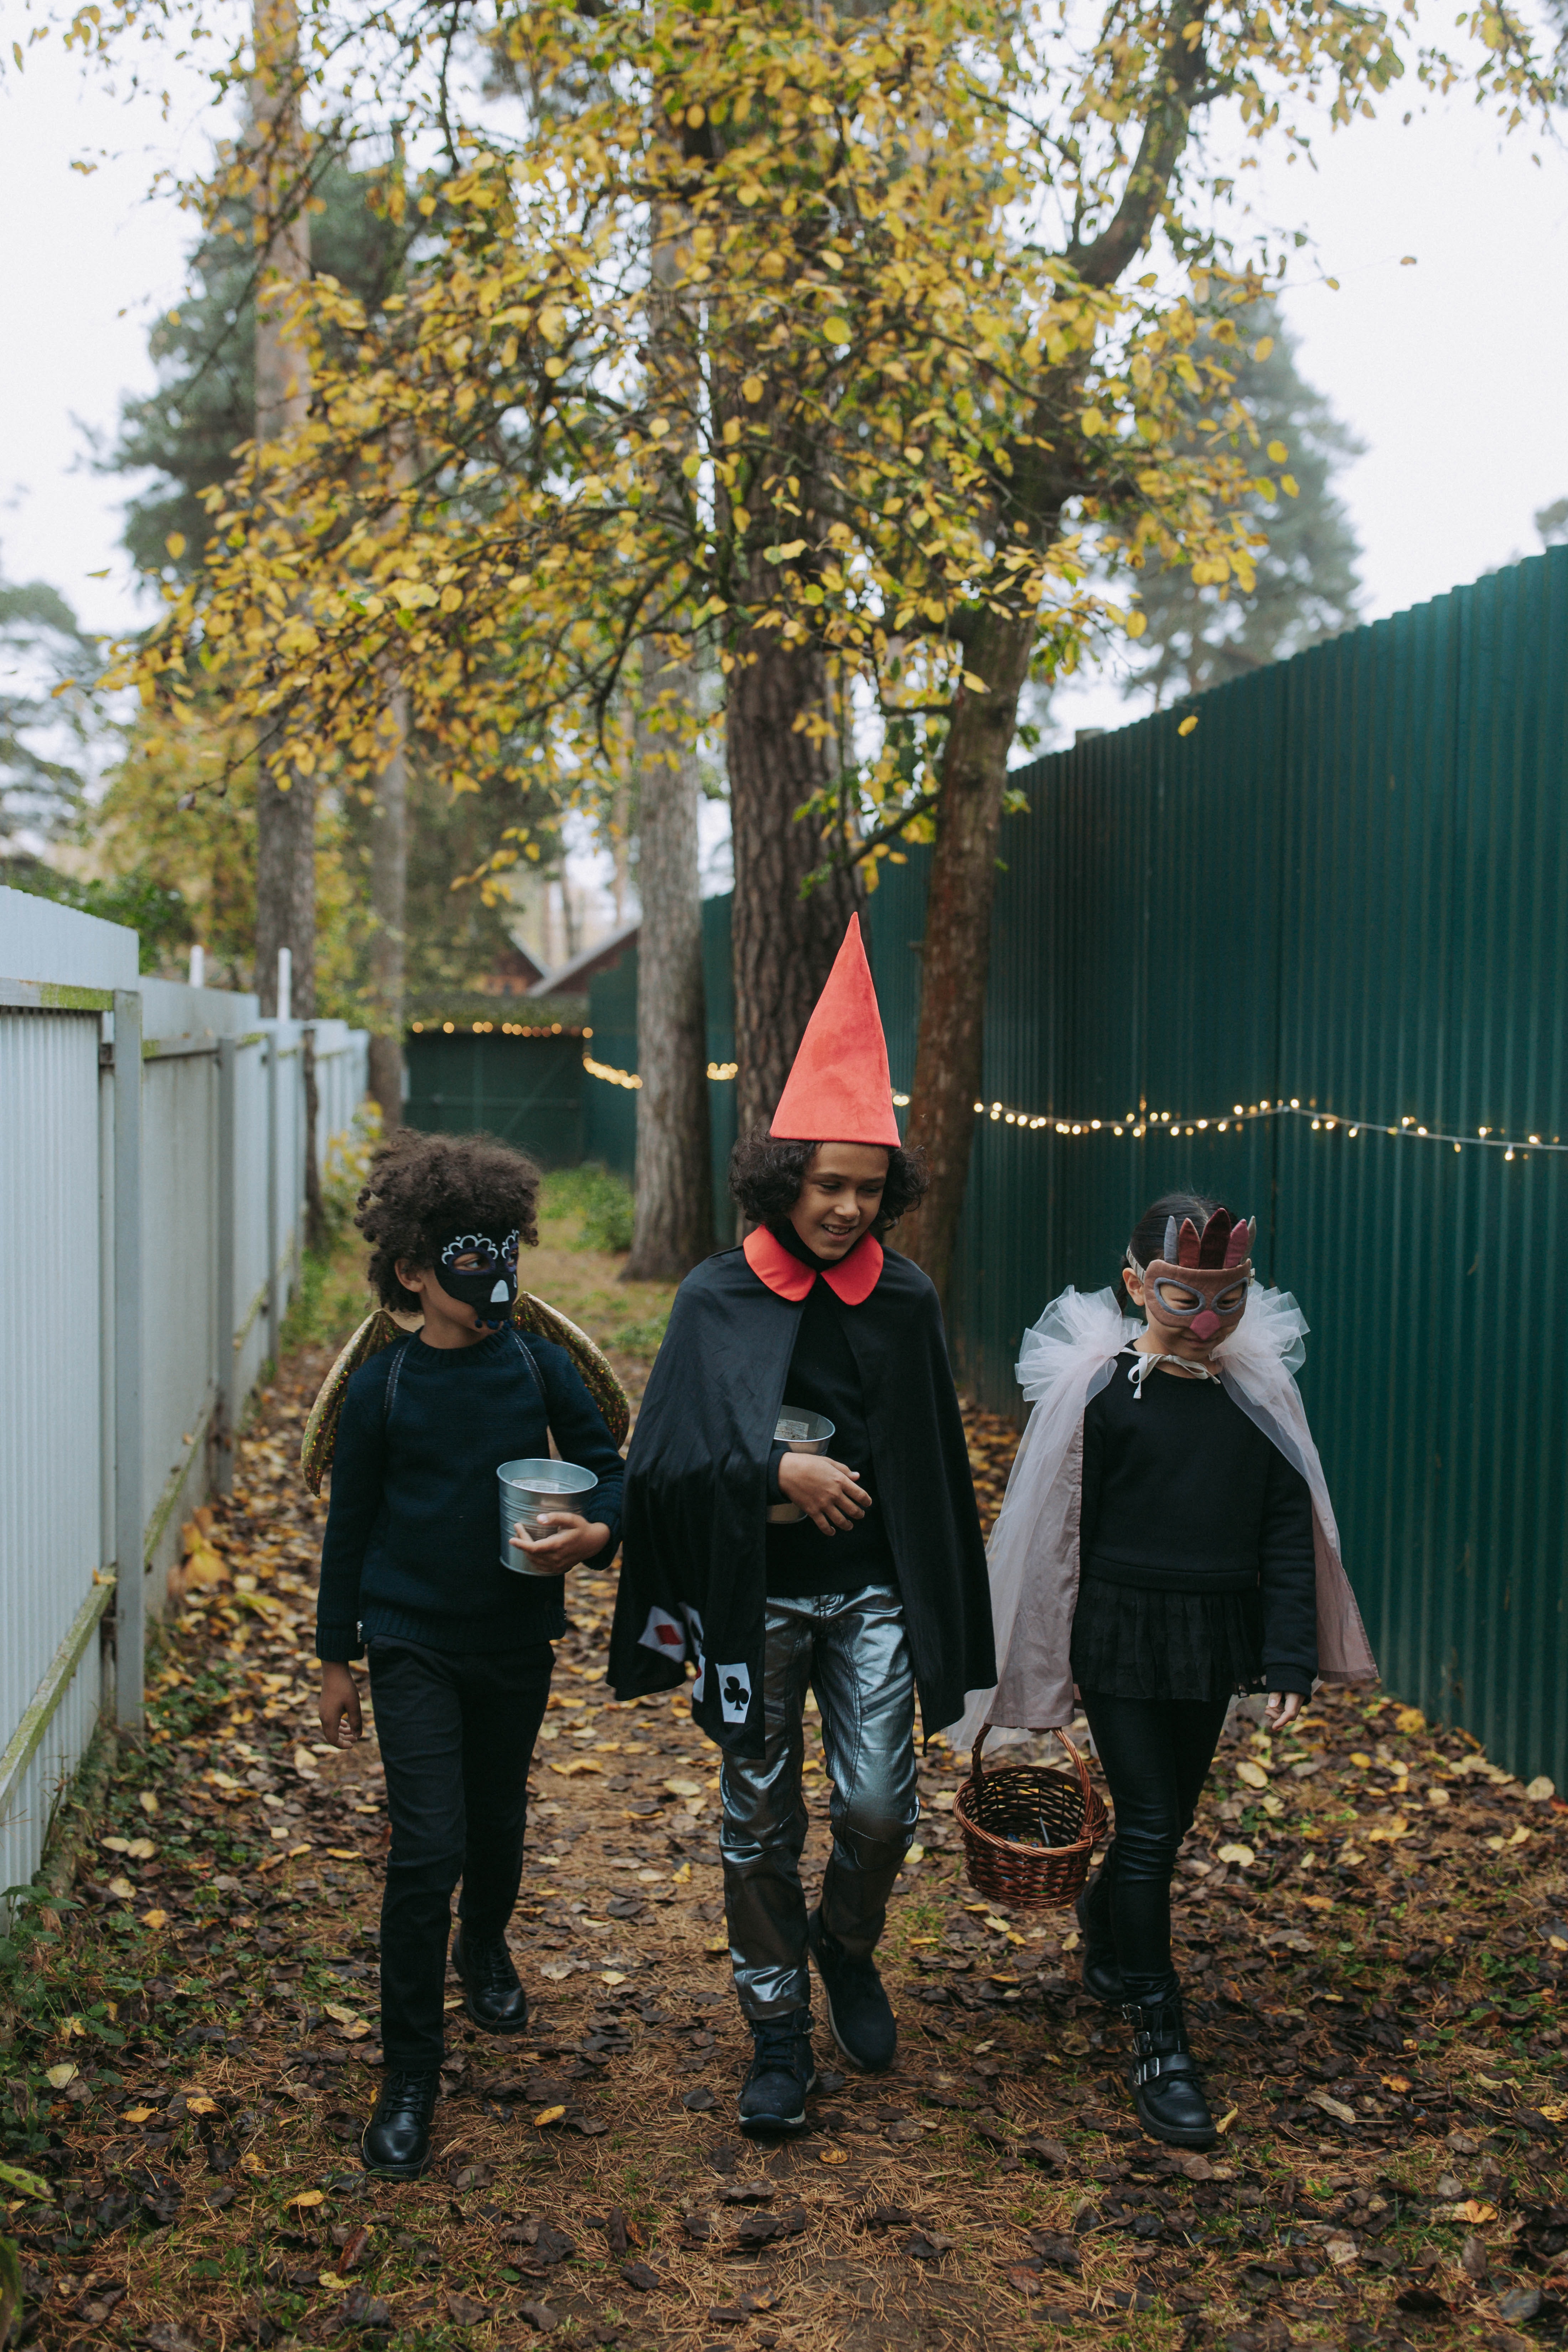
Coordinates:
x,y
1283,1707
827,1492
575,1538
341,1719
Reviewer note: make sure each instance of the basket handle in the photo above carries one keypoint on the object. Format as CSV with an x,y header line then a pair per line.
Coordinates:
x,y
1080,1766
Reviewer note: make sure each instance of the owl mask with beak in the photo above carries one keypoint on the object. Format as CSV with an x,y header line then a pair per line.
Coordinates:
x,y
1196,1289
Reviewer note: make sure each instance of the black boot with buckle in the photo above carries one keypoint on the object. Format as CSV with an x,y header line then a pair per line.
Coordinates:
x,y
1167,2088
492,1995
1102,1969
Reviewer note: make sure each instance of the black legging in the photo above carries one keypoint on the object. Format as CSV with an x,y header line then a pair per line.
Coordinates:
x,y
1156,1753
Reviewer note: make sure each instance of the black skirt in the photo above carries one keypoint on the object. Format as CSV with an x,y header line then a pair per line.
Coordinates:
x,y
1132,1642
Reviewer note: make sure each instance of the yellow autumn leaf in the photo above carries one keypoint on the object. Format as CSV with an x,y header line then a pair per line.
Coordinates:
x,y
59,2077
835,330
306,2198
122,1887
683,1788
1186,726
148,1801
1135,623
1289,485
154,1919
1265,345
1243,1855
832,2156
613,1977
1093,422
137,2115
175,543
1253,1774
974,685
1278,452
547,2115
752,389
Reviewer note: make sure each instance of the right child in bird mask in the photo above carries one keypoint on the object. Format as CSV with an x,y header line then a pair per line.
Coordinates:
x,y
1166,1542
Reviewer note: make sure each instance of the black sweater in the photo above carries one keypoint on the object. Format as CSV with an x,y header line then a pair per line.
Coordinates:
x,y
413,1541
825,1378
1183,1493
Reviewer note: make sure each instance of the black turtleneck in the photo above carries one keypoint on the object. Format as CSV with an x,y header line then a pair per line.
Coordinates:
x,y
825,1378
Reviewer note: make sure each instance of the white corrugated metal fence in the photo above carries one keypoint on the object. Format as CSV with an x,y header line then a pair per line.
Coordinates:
x,y
152,1217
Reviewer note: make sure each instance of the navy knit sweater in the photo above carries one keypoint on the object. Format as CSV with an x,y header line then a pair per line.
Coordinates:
x,y
413,1541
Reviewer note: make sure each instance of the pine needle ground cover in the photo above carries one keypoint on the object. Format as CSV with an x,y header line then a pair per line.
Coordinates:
x,y
1372,1923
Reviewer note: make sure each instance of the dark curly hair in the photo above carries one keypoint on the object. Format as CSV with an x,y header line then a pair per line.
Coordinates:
x,y
422,1187
766,1173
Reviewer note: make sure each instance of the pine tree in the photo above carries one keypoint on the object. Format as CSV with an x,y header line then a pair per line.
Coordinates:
x,y
1306,585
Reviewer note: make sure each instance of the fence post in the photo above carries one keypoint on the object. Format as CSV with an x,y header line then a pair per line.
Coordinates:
x,y
274,1317
228,1212
129,1518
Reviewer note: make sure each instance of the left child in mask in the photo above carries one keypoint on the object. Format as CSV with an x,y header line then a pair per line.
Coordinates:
x,y
459,1646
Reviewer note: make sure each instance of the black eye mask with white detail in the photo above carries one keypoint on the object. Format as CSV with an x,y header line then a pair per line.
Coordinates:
x,y
479,1270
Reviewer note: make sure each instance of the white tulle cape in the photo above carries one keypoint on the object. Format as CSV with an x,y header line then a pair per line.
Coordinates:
x,y
1067,1359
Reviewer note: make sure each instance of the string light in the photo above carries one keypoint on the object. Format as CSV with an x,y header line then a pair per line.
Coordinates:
x,y
491,1028
1138,1124
720,1072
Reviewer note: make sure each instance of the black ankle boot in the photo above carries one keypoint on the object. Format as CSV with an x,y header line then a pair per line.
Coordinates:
x,y
494,1998
1102,1969
858,2009
780,2077
397,2141
1167,2089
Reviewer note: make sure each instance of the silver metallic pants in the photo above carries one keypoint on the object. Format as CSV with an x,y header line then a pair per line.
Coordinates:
x,y
850,1649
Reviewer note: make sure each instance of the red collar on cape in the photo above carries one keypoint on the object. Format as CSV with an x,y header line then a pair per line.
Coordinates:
x,y
853,1279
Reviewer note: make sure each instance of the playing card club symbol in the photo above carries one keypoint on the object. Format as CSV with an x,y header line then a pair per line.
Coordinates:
x,y
735,1692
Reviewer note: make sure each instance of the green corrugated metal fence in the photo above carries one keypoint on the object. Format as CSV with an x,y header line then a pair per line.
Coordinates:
x,y
1348,885
609,1110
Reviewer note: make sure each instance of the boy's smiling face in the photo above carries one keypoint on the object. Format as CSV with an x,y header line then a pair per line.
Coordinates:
x,y
840,1196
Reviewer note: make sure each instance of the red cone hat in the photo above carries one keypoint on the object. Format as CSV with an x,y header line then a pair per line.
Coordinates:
x,y
840,1089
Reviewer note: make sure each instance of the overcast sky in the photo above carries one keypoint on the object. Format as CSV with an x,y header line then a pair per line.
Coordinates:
x,y
1453,371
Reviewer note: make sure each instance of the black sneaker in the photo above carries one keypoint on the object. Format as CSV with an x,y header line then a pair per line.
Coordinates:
x,y
858,2010
492,1994
397,2141
783,2075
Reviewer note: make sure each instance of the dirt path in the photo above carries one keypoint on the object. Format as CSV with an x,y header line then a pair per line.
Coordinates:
x,y
1372,1926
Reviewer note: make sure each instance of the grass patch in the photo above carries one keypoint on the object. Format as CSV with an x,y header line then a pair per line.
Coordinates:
x,y
587,1208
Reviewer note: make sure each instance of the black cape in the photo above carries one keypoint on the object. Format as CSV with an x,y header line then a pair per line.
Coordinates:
x,y
694,1572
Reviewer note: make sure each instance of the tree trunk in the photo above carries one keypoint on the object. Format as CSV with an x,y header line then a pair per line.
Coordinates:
x,y
956,956
784,945
389,896
674,1225
285,802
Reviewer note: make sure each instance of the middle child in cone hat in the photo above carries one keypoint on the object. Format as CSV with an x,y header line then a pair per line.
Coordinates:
x,y
857,1572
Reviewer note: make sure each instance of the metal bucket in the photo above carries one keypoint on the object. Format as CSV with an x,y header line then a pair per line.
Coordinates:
x,y
803,1432
529,1488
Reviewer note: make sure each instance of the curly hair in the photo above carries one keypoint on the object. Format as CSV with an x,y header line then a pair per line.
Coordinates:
x,y
422,1187
766,1173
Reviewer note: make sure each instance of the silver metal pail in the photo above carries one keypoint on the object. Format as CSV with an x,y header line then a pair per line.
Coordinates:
x,y
803,1432
529,1488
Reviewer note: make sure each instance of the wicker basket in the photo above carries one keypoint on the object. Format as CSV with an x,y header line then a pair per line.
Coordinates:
x,y
999,1809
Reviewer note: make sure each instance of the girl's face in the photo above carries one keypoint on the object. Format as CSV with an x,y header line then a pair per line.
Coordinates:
x,y
1191,1308
840,1196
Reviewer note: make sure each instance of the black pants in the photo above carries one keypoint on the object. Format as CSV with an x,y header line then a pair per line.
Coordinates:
x,y
1156,1753
457,1735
